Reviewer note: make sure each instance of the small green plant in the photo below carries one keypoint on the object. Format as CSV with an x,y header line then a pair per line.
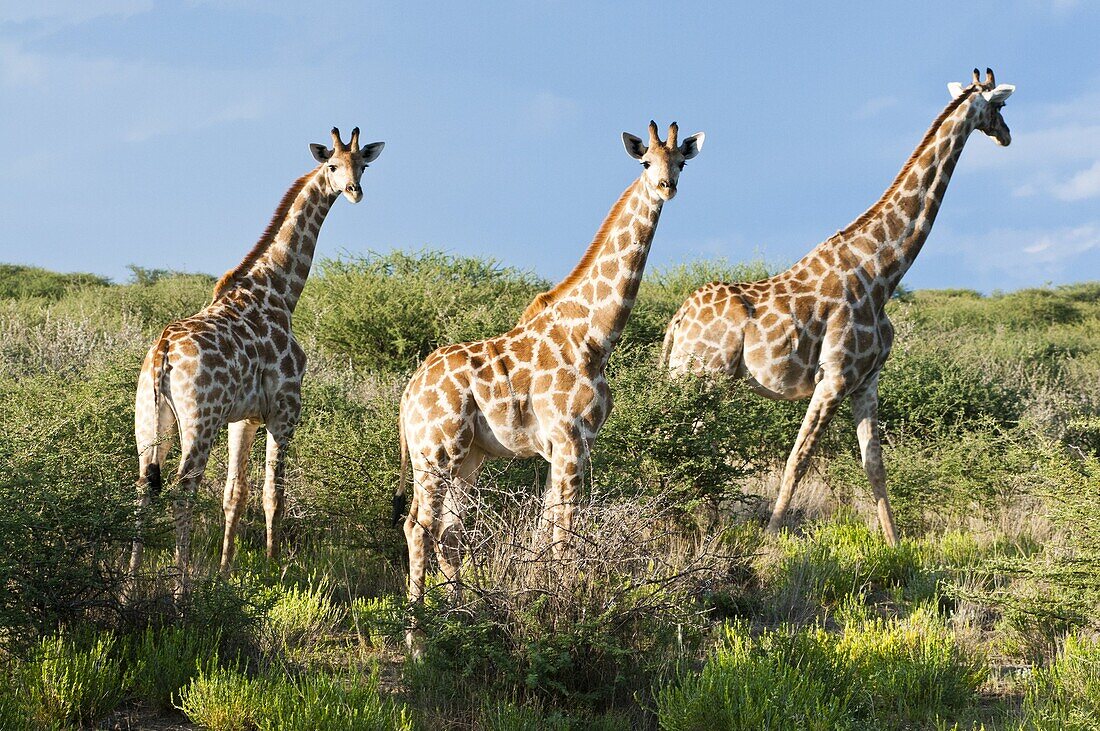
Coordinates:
x,y
321,701
301,616
875,674
379,620
69,684
226,699
1066,694
837,559
222,699
164,659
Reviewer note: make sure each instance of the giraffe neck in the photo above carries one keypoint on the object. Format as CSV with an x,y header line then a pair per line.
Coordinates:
x,y
600,295
883,243
280,262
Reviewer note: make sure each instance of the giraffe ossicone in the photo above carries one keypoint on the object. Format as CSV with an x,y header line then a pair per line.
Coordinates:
x,y
540,388
237,363
819,330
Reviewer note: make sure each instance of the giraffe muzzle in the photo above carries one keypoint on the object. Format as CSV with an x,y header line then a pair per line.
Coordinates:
x,y
353,192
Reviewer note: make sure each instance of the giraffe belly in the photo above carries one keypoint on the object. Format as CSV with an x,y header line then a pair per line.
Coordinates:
x,y
500,439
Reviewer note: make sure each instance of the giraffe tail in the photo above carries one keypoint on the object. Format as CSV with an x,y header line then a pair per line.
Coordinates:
x,y
399,499
152,476
670,338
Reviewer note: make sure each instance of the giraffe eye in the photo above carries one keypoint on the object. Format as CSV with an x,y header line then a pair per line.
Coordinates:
x,y
645,165
683,165
332,168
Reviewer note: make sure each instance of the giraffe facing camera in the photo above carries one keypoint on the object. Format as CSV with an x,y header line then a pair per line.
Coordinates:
x,y
537,390
236,362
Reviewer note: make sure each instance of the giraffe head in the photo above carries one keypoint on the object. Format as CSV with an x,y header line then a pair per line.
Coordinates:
x,y
988,101
663,161
343,165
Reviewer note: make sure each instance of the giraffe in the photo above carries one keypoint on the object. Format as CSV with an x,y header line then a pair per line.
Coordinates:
x,y
538,389
820,329
236,362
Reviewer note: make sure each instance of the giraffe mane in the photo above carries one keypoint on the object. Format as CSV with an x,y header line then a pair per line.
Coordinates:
x,y
549,297
266,238
875,209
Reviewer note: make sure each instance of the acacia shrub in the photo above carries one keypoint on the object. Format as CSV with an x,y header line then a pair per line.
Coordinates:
x,y
690,438
67,466
663,291
386,312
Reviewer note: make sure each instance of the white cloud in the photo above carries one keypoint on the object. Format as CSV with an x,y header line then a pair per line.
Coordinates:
x,y
1007,258
873,106
1084,184
18,68
132,101
546,111
71,12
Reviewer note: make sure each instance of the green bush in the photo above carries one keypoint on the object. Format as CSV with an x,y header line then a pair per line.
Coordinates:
x,y
880,674
23,282
511,716
387,312
67,467
940,480
346,455
685,437
223,699
301,617
68,683
1056,589
152,306
924,393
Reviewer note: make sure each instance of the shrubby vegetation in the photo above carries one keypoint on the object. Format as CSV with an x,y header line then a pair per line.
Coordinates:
x,y
676,610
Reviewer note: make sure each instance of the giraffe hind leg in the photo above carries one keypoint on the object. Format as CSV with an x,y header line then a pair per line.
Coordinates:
x,y
823,405
235,497
153,432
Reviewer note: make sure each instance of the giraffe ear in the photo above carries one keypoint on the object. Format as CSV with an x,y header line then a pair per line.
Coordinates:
x,y
1002,92
320,152
692,145
634,146
370,152
956,89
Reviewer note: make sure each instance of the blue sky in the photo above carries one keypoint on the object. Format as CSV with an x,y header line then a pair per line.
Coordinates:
x,y
163,134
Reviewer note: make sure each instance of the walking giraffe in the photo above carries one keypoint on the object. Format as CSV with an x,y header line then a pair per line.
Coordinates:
x,y
236,362
538,389
820,329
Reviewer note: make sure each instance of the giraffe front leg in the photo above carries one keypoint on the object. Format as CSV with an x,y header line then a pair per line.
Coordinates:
x,y
865,415
275,490
823,405
241,436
